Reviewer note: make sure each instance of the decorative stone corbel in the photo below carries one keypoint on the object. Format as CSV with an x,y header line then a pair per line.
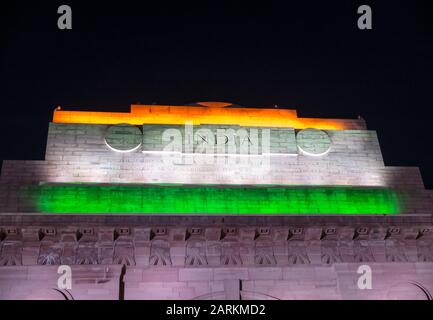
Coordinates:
x,y
68,238
377,243
142,237
177,238
31,245
105,245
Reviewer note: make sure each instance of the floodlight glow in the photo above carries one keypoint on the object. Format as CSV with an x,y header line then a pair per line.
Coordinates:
x,y
210,200
205,114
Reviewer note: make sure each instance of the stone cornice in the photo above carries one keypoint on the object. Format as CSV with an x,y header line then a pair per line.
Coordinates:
x,y
214,246
204,221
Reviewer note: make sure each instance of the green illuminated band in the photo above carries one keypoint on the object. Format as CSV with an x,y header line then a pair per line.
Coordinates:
x,y
210,200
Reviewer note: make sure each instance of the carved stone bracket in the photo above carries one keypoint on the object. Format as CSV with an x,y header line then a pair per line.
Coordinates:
x,y
214,246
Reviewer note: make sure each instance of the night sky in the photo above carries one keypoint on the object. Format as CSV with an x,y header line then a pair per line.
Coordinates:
x,y
309,57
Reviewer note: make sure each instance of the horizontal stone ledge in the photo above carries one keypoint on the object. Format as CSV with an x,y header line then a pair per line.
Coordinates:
x,y
35,218
179,235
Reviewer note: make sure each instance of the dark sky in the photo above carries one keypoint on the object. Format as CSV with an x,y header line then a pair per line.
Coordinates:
x,y
306,55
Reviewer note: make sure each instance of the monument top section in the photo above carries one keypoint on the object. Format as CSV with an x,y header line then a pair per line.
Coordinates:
x,y
217,113
209,158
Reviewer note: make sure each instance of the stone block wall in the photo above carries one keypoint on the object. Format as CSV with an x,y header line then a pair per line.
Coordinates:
x,y
78,153
412,281
339,281
40,283
157,258
298,262
122,256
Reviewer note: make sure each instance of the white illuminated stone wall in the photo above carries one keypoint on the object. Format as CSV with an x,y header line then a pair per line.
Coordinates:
x,y
79,153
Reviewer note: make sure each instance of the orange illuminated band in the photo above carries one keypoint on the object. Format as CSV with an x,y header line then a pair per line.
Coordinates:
x,y
206,113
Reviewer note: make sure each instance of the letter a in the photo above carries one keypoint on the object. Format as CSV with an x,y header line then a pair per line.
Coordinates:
x,y
65,20
65,280
364,281
365,21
